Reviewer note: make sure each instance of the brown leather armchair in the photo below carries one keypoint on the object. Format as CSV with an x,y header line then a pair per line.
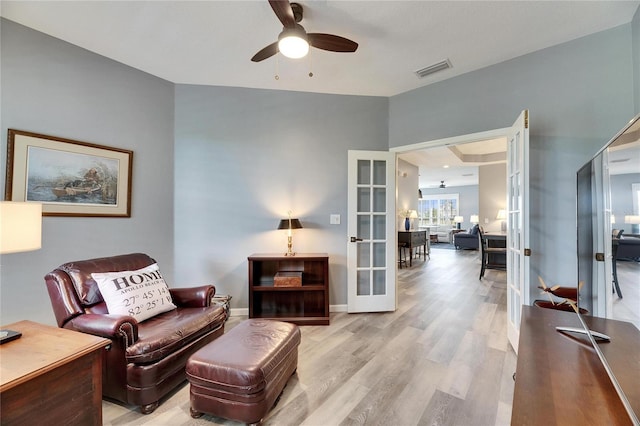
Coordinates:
x,y
145,360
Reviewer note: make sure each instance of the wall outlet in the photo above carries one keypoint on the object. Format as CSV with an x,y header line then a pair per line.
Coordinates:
x,y
334,219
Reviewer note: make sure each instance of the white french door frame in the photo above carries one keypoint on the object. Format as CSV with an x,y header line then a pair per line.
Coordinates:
x,y
468,138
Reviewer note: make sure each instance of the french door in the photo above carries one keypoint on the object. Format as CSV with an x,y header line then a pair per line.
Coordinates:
x,y
371,227
518,251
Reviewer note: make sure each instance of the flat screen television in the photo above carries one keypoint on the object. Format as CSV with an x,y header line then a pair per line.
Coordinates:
x,y
601,208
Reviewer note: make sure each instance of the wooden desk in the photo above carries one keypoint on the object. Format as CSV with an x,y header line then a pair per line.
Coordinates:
x,y
559,377
51,376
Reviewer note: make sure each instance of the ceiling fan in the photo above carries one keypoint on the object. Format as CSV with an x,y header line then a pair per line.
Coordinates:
x,y
442,185
294,41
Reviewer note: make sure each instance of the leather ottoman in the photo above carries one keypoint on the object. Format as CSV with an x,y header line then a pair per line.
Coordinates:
x,y
240,375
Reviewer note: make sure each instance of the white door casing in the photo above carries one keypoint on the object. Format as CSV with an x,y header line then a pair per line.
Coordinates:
x,y
371,231
518,250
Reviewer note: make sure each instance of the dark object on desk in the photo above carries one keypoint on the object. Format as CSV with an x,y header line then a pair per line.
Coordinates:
x,y
467,240
493,251
8,335
146,360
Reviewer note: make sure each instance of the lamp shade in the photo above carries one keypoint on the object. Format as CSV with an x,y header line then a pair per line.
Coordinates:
x,y
289,224
633,219
413,214
20,226
474,219
502,214
458,219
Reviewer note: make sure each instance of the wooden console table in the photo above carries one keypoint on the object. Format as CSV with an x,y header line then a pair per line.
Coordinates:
x,y
559,377
51,376
414,239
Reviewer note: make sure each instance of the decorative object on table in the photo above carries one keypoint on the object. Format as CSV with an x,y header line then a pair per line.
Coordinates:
x,y
458,220
412,215
569,296
225,302
288,279
20,231
70,178
502,216
474,219
289,224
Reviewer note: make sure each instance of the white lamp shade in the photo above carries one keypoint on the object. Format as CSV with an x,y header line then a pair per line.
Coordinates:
x,y
474,218
413,214
502,214
20,226
633,219
458,219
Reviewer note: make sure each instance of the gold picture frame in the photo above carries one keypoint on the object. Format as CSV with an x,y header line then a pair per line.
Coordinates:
x,y
69,178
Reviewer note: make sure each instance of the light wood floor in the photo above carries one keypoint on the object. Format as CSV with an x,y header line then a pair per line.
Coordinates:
x,y
627,308
441,359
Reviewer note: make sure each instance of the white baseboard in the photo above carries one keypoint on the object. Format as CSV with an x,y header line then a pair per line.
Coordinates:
x,y
244,312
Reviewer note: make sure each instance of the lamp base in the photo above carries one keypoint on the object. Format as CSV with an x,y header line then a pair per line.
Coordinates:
x,y
290,254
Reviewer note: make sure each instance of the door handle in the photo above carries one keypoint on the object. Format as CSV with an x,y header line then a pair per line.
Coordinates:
x,y
354,239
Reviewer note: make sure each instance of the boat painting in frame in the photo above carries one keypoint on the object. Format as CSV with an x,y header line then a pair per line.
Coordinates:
x,y
69,178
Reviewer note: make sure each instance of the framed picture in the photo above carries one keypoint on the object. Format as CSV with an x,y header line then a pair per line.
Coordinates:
x,y
69,178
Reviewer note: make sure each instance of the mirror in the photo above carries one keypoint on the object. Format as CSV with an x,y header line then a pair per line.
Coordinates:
x,y
608,191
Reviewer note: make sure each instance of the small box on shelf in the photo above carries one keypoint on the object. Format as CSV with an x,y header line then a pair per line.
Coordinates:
x,y
288,279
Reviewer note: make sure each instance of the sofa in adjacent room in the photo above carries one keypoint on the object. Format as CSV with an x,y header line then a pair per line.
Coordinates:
x,y
629,247
467,240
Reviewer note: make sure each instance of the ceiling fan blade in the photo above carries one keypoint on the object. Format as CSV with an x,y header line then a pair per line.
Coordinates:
x,y
284,12
265,53
332,43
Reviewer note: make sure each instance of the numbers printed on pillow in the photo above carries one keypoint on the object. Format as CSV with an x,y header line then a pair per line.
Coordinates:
x,y
141,294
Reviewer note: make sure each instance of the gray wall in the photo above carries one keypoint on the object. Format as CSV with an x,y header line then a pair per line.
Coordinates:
x,y
54,88
492,196
244,157
579,95
239,166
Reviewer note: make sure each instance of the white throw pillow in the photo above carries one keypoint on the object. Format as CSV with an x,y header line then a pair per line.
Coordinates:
x,y
141,294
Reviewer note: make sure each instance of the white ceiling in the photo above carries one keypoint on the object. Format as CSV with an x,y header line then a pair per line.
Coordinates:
x,y
211,42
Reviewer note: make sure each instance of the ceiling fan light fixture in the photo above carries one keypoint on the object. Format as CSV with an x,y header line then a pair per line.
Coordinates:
x,y
293,43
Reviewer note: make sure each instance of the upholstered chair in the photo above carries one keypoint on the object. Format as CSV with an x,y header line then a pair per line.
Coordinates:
x,y
146,358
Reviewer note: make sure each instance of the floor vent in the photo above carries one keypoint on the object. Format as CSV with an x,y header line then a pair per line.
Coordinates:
x,y
443,65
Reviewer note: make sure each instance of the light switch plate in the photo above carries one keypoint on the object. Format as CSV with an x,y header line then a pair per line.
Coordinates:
x,y
334,219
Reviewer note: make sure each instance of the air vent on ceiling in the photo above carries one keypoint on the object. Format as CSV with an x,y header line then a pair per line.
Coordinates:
x,y
443,65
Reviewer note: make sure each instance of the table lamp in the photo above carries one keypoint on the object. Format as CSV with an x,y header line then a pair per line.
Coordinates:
x,y
20,230
289,224
458,220
474,219
502,215
413,215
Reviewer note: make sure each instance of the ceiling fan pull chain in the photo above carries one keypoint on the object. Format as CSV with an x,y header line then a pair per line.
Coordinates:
x,y
277,77
310,66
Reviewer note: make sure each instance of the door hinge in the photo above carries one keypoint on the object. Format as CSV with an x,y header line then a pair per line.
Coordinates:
x,y
600,257
526,118
527,252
